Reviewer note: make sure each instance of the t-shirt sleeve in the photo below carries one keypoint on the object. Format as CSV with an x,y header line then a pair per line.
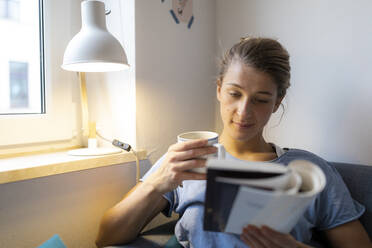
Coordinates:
x,y
171,196
334,205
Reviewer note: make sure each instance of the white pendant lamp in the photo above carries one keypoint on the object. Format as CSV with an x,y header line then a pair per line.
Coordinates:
x,y
94,49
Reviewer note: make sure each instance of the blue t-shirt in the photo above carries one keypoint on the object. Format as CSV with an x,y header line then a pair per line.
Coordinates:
x,y
332,207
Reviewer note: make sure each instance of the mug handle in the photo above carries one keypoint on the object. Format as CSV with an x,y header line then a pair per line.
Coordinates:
x,y
221,152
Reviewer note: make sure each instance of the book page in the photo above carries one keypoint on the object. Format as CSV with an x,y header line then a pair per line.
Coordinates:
x,y
276,210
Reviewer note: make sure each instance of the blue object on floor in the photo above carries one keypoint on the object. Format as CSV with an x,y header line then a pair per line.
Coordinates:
x,y
173,243
53,242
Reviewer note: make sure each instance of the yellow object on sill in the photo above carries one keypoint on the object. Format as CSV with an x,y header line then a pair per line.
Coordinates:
x,y
92,130
47,164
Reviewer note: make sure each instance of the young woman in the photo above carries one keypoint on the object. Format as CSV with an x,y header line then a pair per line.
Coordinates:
x,y
253,80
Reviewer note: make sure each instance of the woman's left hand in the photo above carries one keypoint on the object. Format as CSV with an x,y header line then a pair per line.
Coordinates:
x,y
265,237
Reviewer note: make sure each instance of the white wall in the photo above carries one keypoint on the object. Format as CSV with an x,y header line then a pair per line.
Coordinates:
x,y
175,71
70,205
328,108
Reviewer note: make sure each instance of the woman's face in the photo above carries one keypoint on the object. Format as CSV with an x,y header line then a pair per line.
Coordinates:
x,y
247,99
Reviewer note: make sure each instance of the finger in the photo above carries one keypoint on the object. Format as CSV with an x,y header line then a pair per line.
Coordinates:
x,y
187,145
280,239
194,153
193,176
246,240
190,164
266,241
249,234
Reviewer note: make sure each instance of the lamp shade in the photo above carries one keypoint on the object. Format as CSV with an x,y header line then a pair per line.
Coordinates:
x,y
94,49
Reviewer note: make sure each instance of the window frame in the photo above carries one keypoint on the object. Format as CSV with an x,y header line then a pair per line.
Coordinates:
x,y
58,124
42,55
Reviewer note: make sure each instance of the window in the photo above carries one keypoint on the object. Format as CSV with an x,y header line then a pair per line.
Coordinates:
x,y
9,9
18,79
39,102
21,60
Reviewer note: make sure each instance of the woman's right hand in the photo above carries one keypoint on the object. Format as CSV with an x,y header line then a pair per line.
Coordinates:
x,y
179,160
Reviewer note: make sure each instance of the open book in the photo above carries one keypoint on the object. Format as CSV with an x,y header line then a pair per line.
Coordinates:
x,y
240,193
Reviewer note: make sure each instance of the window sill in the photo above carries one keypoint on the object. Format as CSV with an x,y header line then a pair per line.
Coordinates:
x,y
41,165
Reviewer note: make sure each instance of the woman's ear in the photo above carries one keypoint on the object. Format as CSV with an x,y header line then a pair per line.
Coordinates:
x,y
218,90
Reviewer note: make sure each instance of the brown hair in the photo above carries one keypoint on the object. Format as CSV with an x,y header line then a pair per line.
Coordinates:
x,y
264,54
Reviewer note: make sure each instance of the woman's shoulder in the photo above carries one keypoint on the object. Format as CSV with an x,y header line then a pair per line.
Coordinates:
x,y
332,176
299,154
331,173
295,152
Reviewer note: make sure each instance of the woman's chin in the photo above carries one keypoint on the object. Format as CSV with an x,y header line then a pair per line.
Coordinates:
x,y
242,135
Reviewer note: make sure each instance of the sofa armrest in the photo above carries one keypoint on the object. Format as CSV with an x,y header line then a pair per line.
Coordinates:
x,y
358,180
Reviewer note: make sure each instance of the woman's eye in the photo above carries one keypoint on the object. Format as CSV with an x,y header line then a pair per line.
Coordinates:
x,y
234,94
260,100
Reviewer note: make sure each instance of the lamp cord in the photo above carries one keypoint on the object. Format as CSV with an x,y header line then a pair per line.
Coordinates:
x,y
127,148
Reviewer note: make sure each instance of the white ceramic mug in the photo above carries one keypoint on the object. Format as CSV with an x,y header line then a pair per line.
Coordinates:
x,y
212,138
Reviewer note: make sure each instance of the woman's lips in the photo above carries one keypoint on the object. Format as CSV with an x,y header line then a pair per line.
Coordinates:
x,y
243,125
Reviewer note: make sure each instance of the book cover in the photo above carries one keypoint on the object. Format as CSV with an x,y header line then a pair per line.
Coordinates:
x,y
240,193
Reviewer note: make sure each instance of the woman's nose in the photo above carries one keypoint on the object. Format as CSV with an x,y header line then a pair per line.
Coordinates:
x,y
244,108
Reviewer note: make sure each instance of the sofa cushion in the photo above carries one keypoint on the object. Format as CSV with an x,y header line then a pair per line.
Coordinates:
x,y
358,179
158,236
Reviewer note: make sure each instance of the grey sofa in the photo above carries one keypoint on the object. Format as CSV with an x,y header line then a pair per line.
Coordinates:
x,y
358,179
